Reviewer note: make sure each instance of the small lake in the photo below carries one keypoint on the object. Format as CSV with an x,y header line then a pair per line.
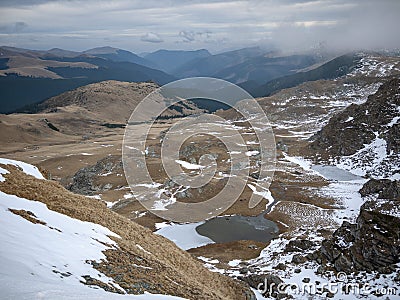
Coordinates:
x,y
334,173
234,228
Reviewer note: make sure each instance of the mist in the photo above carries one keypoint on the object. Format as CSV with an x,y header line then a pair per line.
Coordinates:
x,y
369,25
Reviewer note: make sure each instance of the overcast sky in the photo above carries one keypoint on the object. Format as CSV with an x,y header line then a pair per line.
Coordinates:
x,y
148,25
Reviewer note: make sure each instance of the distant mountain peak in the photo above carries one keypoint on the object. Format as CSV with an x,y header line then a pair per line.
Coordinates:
x,y
62,52
102,50
169,60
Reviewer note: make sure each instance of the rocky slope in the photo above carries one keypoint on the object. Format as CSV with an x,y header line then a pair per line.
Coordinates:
x,y
373,242
87,181
134,259
364,138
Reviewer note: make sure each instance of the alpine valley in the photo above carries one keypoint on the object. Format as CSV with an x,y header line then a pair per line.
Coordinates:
x,y
327,227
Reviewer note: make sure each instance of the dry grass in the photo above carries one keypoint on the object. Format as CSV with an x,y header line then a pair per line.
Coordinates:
x,y
36,67
173,271
298,215
225,252
27,215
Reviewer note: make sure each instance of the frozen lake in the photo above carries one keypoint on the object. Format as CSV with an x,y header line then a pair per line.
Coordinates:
x,y
234,228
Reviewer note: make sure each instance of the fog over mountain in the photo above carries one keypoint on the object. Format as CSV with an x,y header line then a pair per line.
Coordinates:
x,y
289,25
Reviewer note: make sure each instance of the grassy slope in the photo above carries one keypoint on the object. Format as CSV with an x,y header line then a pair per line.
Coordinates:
x,y
174,271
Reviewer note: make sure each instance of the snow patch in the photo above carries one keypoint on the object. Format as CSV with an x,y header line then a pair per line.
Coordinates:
x,y
3,171
303,163
26,168
234,263
266,194
252,153
39,254
349,119
188,165
184,236
371,159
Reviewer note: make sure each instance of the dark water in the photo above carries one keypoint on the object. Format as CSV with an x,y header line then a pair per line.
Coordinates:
x,y
334,173
234,228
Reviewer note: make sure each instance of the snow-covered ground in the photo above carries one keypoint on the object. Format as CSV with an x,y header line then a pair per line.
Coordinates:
x,y
184,236
27,168
343,187
373,160
47,259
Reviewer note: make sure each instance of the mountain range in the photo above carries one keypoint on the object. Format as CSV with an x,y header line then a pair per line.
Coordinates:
x,y
31,76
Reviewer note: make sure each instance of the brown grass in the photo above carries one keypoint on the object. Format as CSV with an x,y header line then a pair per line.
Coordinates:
x,y
27,215
298,215
225,252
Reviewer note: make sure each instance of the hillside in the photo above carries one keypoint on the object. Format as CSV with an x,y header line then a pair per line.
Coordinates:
x,y
262,69
116,54
85,111
108,100
245,65
334,68
120,256
210,65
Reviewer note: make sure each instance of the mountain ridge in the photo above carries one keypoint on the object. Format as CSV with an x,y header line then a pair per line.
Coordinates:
x,y
31,78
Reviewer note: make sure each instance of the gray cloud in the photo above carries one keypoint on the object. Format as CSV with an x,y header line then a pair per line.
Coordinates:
x,y
187,36
358,25
20,26
191,36
291,25
151,37
17,3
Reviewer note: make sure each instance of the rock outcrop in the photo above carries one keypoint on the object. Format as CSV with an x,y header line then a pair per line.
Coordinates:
x,y
349,130
373,243
87,181
385,188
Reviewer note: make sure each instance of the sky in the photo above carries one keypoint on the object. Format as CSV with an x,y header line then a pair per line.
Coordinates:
x,y
145,26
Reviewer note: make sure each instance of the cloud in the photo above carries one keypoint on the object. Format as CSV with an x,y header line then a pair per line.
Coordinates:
x,y
20,26
151,37
187,36
292,25
191,36
347,26
13,3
